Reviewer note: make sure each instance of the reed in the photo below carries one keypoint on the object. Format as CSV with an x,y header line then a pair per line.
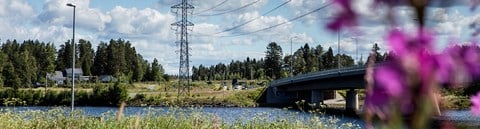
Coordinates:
x,y
192,118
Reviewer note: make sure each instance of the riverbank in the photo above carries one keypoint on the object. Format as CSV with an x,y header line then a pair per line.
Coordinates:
x,y
133,94
163,94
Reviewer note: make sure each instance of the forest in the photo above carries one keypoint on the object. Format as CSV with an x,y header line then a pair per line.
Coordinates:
x,y
273,66
28,62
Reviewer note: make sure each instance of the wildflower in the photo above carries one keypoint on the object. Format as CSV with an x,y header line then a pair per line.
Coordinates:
x,y
390,79
474,3
471,58
346,17
475,104
459,64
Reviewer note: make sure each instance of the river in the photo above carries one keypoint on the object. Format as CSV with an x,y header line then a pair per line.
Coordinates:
x,y
232,114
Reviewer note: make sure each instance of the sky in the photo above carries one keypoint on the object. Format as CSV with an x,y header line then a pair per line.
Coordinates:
x,y
147,25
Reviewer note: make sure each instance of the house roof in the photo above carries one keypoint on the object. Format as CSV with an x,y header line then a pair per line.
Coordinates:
x,y
58,75
68,71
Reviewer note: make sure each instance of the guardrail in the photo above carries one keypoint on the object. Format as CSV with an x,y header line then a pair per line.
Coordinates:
x,y
317,74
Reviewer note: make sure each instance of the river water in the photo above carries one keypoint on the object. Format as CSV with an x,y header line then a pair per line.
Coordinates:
x,y
233,114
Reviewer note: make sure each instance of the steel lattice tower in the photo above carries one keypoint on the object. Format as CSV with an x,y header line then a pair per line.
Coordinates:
x,y
181,29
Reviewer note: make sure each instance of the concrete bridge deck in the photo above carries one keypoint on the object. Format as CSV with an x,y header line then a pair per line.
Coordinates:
x,y
314,87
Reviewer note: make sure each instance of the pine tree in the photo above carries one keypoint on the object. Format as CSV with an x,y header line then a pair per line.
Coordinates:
x,y
86,57
100,63
328,59
273,57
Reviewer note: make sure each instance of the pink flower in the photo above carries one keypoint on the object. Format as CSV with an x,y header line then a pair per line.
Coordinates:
x,y
390,79
475,104
346,17
404,45
471,58
475,3
389,86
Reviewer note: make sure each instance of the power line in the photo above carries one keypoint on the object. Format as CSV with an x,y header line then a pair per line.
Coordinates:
x,y
235,27
293,19
230,10
221,3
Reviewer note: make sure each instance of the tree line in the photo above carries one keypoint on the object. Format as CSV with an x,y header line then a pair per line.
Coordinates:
x,y
28,62
274,65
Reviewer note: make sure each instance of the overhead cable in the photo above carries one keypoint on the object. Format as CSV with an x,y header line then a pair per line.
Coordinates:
x,y
293,19
251,20
221,3
230,10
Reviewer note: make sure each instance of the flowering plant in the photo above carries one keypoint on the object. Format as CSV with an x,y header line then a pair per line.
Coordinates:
x,y
406,85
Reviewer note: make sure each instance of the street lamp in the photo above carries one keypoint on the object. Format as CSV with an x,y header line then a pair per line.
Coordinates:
x,y
73,54
338,49
291,55
356,47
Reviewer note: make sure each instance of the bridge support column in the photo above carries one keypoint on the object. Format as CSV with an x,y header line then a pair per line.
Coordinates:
x,y
352,101
316,98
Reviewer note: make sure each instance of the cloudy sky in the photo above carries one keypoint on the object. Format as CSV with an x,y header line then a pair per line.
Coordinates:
x,y
220,33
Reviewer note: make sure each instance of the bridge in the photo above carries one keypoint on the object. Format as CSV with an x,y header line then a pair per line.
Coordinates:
x,y
317,86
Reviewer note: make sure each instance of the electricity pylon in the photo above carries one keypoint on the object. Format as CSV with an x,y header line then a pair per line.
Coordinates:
x,y
181,29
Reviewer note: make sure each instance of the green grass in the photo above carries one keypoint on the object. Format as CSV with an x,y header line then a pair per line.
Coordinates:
x,y
175,118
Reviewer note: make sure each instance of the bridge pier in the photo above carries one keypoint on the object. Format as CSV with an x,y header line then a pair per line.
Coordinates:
x,y
351,104
316,97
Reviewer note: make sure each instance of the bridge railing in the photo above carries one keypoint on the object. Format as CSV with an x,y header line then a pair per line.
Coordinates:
x,y
318,73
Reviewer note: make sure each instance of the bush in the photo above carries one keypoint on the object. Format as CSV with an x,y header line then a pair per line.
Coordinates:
x,y
102,95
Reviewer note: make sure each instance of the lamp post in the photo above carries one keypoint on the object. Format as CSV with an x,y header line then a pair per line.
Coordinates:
x,y
73,55
356,47
291,55
338,49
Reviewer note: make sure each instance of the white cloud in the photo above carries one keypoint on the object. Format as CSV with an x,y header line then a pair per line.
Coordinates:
x,y
301,7
55,12
149,30
263,22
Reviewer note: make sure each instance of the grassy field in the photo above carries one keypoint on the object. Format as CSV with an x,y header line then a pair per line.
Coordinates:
x,y
202,94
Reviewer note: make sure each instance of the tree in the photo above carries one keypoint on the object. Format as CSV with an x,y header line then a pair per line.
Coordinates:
x,y
299,64
86,57
308,57
318,52
157,71
273,63
139,69
346,60
328,59
288,63
3,59
11,77
376,51
64,56
47,60
26,68
116,57
100,63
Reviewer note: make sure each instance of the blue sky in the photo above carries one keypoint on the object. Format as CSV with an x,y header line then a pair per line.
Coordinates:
x,y
146,23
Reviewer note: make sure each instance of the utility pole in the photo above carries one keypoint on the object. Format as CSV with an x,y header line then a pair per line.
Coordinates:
x,y
338,49
182,32
356,47
291,55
